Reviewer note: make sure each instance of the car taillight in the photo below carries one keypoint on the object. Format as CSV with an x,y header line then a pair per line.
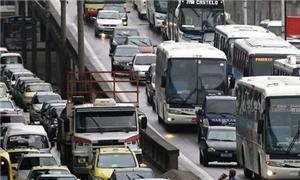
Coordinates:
x,y
133,139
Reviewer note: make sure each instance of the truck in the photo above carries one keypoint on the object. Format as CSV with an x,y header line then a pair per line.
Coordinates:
x,y
86,125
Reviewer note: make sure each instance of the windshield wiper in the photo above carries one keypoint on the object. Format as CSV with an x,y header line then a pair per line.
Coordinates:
x,y
293,141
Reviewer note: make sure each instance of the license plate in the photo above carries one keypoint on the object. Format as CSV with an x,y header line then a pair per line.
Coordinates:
x,y
226,154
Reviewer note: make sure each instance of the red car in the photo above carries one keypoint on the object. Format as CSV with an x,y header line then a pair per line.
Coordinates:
x,y
144,43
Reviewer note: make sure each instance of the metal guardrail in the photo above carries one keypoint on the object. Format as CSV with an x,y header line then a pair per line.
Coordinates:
x,y
158,151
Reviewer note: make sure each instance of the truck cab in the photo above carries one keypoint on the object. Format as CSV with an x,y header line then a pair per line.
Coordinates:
x,y
216,111
89,126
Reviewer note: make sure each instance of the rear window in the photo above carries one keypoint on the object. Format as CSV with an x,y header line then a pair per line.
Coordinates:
x,y
27,141
28,162
11,60
145,60
44,98
12,119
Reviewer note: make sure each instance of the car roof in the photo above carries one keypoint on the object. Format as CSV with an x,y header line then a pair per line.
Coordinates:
x,y
38,155
127,46
112,150
133,170
108,11
58,175
57,167
145,54
26,129
11,54
221,127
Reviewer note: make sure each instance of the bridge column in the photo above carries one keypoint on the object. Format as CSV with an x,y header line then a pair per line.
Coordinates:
x,y
63,62
23,31
48,68
34,38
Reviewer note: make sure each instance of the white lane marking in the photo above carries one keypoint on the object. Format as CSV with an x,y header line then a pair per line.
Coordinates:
x,y
202,172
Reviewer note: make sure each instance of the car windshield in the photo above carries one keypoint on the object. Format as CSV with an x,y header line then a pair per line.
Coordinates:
x,y
28,162
119,8
220,106
120,121
221,135
126,52
42,98
126,32
145,60
27,141
141,42
122,160
12,119
6,105
11,60
39,88
108,15
36,173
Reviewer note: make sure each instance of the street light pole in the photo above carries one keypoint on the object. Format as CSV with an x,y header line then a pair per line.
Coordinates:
x,y
245,12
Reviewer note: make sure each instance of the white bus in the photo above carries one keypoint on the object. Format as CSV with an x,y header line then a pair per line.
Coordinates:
x,y
289,66
191,20
225,35
185,74
255,56
156,12
268,126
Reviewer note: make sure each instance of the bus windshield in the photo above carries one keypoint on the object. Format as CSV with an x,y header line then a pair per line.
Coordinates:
x,y
283,125
161,6
201,19
205,77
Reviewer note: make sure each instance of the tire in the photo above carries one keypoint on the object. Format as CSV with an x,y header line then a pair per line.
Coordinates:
x,y
96,33
200,157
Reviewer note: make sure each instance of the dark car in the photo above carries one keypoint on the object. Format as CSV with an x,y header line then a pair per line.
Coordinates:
x,y
50,120
122,57
132,173
36,104
119,37
150,84
216,111
121,9
144,43
218,144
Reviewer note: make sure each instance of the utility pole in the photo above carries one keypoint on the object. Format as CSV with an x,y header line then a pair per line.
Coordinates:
x,y
63,60
245,12
283,16
81,62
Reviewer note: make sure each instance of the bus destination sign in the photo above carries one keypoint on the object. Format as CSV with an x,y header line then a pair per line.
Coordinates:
x,y
202,3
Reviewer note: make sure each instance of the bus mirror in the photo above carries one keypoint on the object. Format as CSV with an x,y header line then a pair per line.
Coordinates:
x,y
163,82
260,126
231,82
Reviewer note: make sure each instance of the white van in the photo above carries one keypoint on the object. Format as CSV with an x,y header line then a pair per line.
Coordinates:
x,y
27,136
141,8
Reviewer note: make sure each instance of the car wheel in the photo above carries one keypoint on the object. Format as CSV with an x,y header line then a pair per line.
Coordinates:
x,y
96,33
200,157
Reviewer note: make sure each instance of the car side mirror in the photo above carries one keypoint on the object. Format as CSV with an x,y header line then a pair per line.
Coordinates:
x,y
163,82
143,122
94,18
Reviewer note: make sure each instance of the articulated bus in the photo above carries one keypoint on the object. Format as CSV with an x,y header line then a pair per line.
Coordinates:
x,y
193,20
268,126
185,74
156,12
91,7
255,56
289,66
225,35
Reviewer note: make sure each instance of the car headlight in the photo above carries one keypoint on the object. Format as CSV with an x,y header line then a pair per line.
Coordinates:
x,y
124,23
211,150
275,163
174,111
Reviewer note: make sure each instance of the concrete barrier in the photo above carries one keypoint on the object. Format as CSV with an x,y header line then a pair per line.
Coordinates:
x,y
158,151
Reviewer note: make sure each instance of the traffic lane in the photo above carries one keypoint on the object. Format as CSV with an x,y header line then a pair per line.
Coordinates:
x,y
184,140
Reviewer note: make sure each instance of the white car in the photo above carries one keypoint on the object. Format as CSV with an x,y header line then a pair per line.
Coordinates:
x,y
140,65
106,21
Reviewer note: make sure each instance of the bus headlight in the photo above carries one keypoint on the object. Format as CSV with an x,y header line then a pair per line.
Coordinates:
x,y
124,23
174,111
270,173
